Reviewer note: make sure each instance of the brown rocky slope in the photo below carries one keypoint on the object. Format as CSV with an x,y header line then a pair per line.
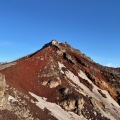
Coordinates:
x,y
58,82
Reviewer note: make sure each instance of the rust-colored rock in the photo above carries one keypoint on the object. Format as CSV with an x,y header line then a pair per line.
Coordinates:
x,y
53,75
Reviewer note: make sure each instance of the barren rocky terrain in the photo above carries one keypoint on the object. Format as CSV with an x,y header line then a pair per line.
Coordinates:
x,y
58,82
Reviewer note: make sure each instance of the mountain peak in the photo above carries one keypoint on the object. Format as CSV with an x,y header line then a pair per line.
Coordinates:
x,y
59,82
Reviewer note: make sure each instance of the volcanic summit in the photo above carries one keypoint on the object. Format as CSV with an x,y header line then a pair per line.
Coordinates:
x,y
58,82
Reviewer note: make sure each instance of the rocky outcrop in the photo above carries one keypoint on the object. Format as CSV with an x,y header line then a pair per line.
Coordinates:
x,y
61,49
68,57
65,91
51,83
54,42
80,105
3,95
69,104
73,105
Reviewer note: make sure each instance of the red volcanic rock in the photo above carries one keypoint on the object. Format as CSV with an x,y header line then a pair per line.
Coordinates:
x,y
57,79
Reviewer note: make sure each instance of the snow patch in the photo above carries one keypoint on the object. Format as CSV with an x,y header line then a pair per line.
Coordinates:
x,y
56,110
11,98
112,110
76,81
107,100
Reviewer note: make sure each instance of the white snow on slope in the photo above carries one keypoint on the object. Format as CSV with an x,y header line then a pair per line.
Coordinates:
x,y
107,101
12,98
114,110
95,91
75,80
56,110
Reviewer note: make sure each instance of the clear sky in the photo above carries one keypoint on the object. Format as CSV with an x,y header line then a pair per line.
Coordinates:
x,y
92,26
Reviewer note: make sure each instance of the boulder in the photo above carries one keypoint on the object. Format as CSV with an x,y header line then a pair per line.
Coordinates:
x,y
68,105
53,84
80,105
64,91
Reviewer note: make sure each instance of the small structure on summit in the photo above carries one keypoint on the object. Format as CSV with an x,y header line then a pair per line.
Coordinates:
x,y
54,42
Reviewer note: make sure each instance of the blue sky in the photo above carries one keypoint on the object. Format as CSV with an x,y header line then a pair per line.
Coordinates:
x,y
92,26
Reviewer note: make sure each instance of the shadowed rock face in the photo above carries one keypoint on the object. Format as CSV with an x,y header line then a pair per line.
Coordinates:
x,y
58,82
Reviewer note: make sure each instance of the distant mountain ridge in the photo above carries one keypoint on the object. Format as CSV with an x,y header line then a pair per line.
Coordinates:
x,y
58,82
